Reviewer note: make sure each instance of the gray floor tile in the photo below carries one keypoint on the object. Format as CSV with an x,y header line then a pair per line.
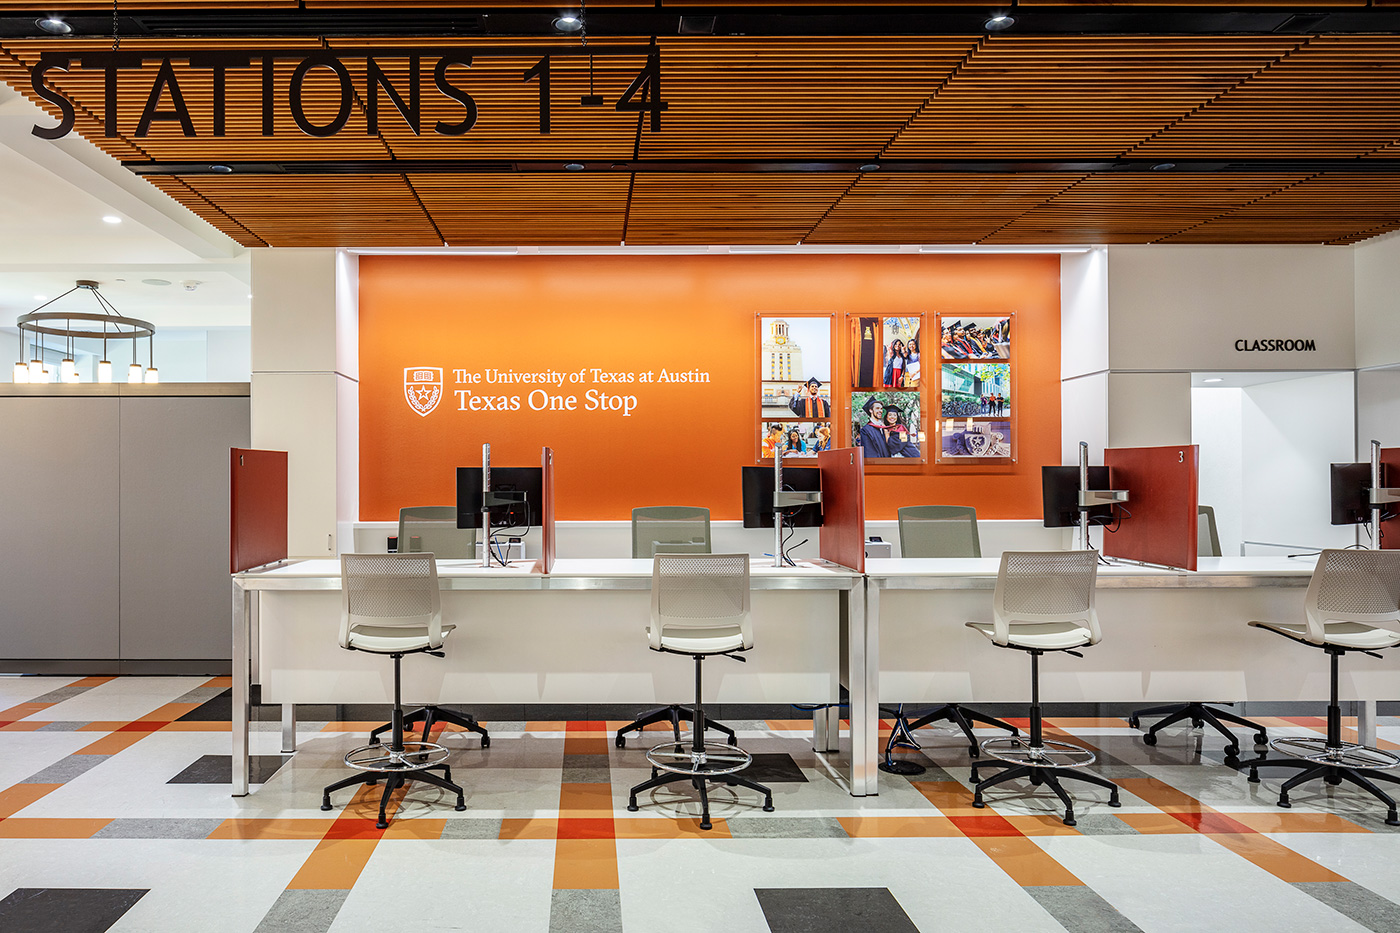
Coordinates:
x,y
586,761
1102,824
786,827
475,828
61,726
585,911
1359,903
302,911
1081,910
65,769
218,769
66,910
833,910
585,775
62,693
158,829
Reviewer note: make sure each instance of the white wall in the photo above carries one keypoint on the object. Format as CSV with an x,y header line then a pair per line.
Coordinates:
x,y
229,354
1217,425
1149,409
1377,271
9,355
1377,409
1083,313
1291,432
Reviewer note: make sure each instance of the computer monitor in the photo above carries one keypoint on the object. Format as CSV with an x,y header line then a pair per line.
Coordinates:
x,y
758,496
517,493
1351,493
1059,487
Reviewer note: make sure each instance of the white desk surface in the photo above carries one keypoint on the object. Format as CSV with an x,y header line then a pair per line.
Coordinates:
x,y
980,573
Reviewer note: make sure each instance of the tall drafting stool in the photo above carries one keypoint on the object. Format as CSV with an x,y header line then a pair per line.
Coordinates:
x,y
1353,604
935,531
1044,601
669,529
390,604
1207,545
433,528
700,607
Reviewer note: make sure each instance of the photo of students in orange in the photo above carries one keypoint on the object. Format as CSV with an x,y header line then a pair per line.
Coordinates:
x,y
639,372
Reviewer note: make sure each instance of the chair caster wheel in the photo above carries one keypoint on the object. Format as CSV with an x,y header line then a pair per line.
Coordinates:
x,y
768,807
1390,819
973,776
1232,761
325,804
1261,739
973,750
977,802
1070,820
1149,739
1036,780
382,824
734,741
706,825
1133,723
1232,751
1284,802
632,805
1333,779
1197,723
461,805
1254,775
620,742
486,741
372,783
1113,801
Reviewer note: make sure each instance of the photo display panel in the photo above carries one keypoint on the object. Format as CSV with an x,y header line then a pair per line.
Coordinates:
x,y
795,365
887,413
976,396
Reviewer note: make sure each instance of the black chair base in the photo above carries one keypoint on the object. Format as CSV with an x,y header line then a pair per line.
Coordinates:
x,y
430,716
698,781
1363,778
902,734
392,781
675,714
1040,774
1200,715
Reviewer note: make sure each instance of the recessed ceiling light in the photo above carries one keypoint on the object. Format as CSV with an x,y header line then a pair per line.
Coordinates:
x,y
569,22
1213,379
54,26
41,297
999,22
250,294
111,219
1164,166
870,167
155,281
573,166
220,168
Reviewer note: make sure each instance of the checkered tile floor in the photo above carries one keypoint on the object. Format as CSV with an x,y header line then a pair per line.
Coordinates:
x,y
115,815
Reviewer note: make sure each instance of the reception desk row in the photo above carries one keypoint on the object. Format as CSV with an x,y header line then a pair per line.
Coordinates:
x,y
893,634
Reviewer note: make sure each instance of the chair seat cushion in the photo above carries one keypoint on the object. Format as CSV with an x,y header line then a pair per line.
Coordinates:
x,y
392,639
1050,636
1341,634
701,640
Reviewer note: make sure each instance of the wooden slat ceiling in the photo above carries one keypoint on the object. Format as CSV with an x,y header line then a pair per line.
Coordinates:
x,y
1267,101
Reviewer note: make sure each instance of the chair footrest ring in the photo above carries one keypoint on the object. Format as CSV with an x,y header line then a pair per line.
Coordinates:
x,y
711,758
415,757
1345,755
1017,751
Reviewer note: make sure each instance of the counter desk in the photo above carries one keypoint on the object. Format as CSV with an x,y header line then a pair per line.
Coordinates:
x,y
1168,636
574,636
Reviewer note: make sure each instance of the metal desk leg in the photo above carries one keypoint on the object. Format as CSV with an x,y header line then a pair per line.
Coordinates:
x,y
826,728
864,641
1366,722
289,727
242,687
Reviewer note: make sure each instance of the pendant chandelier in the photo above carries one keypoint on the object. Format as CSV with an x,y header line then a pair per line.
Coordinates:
x,y
70,326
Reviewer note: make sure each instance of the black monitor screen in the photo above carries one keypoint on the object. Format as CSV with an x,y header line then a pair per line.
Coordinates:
x,y
1059,487
520,489
1351,500
758,496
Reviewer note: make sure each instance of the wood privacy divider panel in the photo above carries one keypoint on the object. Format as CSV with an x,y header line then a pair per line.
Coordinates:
x,y
1390,476
1162,488
843,507
547,539
257,508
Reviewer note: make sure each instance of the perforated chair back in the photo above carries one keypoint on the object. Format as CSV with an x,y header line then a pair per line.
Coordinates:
x,y
670,529
383,592
700,595
1046,586
1207,536
433,528
1353,586
938,531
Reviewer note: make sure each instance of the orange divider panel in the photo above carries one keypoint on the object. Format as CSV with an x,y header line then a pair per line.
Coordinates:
x,y
258,508
1162,489
843,507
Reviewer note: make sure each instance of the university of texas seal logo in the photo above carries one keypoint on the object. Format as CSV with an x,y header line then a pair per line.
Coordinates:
x,y
422,387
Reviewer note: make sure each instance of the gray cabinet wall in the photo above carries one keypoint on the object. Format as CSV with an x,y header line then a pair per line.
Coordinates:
x,y
114,513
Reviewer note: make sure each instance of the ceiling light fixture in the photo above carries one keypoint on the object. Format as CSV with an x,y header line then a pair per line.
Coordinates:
x,y
72,326
870,167
999,22
1164,166
53,25
569,22
1213,379
111,219
573,166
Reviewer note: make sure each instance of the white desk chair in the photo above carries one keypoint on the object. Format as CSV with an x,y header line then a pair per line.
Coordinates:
x,y
1353,604
699,607
1044,601
390,604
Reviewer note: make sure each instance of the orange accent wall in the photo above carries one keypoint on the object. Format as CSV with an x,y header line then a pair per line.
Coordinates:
x,y
684,443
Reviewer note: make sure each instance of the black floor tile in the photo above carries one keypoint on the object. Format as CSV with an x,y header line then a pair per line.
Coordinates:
x,y
66,910
775,768
833,910
218,769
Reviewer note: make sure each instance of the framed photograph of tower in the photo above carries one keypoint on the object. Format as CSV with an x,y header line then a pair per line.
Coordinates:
x,y
888,411
976,382
795,366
